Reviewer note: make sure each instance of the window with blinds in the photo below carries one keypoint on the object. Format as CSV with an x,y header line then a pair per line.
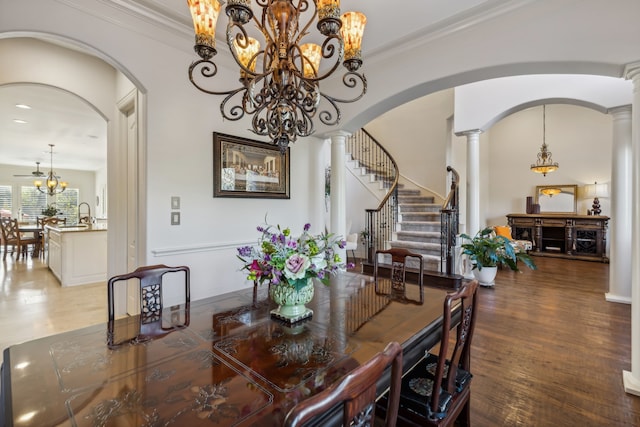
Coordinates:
x,y
33,202
6,200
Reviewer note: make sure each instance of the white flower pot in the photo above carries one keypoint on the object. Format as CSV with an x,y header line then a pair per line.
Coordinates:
x,y
486,276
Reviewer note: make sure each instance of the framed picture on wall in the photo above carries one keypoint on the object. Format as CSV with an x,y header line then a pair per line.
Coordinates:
x,y
247,168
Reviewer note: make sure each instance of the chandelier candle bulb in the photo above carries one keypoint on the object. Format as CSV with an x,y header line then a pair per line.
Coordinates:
x,y
329,17
205,15
352,30
246,53
312,54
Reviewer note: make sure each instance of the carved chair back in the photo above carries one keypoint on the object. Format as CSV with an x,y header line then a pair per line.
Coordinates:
x,y
357,392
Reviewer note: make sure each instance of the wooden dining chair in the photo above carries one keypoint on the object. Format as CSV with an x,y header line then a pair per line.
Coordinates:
x,y
150,280
436,391
357,392
398,273
11,236
47,220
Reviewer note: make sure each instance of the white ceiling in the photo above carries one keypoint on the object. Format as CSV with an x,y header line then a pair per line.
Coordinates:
x,y
79,133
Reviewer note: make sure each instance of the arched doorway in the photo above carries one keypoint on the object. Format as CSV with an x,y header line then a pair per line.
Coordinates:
x,y
108,89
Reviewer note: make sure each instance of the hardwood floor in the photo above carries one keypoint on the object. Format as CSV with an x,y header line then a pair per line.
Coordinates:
x,y
548,349
33,304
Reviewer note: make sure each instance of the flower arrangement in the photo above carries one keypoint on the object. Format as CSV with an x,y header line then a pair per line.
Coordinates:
x,y
51,210
282,258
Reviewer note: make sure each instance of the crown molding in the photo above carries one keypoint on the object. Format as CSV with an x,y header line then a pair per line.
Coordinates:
x,y
446,27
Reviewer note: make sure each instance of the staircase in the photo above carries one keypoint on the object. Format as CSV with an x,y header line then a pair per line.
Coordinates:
x,y
418,226
405,218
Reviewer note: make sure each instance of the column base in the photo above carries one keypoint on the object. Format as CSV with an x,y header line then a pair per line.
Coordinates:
x,y
631,384
617,298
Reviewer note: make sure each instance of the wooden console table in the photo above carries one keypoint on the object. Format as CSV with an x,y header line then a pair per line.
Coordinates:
x,y
563,235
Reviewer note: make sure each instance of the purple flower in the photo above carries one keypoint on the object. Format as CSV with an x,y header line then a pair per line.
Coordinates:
x,y
260,229
244,251
307,226
342,244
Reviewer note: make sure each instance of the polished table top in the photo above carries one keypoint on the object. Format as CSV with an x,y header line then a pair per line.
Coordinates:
x,y
220,361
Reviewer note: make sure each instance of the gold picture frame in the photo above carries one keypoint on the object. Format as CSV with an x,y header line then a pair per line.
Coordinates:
x,y
249,169
557,198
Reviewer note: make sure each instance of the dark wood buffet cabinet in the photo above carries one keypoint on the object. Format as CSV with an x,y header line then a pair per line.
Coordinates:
x,y
563,235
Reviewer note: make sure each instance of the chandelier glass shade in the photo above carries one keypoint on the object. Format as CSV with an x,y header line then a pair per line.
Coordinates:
x,y
279,75
544,164
551,191
53,185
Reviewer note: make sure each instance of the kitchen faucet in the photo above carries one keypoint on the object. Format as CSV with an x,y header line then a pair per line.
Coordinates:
x,y
84,219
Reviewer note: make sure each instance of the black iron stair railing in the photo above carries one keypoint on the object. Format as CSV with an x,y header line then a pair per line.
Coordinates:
x,y
449,223
380,223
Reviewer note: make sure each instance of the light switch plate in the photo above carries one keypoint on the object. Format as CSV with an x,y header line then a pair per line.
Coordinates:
x,y
175,218
175,202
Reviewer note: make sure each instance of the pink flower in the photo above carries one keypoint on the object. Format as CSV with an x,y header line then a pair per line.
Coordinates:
x,y
255,268
296,266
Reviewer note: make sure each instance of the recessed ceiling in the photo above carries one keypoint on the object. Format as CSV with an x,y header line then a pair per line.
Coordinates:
x,y
56,117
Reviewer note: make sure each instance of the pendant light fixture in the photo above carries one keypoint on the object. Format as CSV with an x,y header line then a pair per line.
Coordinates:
x,y
54,186
279,75
544,164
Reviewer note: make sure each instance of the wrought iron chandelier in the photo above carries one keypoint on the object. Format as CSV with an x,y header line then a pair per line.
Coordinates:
x,y
544,164
54,186
280,79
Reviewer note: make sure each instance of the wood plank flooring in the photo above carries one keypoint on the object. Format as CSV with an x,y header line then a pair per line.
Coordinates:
x,y
34,305
548,349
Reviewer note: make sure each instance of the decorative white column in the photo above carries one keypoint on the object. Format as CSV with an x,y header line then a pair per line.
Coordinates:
x,y
632,378
316,184
338,185
473,180
620,223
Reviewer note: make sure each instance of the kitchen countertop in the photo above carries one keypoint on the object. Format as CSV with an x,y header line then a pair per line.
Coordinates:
x,y
77,228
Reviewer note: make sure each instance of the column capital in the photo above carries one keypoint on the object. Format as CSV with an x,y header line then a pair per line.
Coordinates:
x,y
338,133
469,132
621,111
632,71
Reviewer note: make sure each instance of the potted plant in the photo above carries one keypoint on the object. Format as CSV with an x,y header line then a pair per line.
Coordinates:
x,y
50,210
487,251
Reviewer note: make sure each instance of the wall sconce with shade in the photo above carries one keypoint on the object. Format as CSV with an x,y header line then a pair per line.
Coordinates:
x,y
544,164
595,191
53,185
280,78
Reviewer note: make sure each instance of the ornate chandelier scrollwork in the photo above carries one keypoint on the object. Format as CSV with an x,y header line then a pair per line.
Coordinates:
x,y
280,80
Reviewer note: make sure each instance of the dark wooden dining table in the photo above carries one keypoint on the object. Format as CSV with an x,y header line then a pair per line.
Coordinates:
x,y
219,361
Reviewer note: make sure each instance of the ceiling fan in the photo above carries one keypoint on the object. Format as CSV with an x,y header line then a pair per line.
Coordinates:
x,y
35,174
